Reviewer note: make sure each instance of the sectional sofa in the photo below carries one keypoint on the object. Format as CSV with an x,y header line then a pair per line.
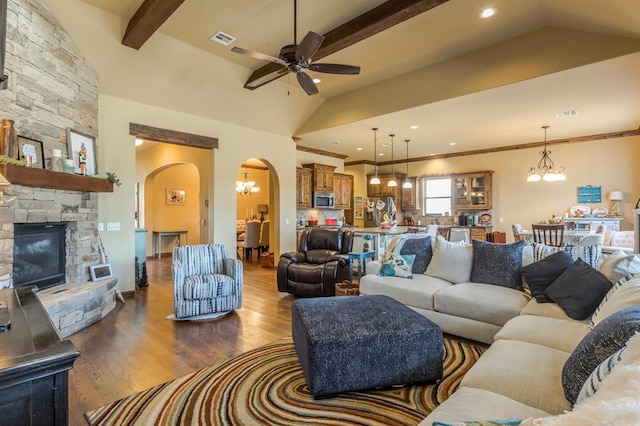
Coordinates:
x,y
541,354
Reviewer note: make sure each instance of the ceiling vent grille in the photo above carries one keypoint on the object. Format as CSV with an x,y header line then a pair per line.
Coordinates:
x,y
565,114
222,38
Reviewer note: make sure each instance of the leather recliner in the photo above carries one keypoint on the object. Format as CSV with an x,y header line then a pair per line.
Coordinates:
x,y
320,262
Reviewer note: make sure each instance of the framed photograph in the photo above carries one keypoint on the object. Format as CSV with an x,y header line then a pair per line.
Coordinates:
x,y
31,148
83,152
176,197
100,272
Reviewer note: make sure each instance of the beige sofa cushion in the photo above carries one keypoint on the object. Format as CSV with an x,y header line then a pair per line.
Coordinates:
x,y
550,310
417,292
553,333
526,372
478,404
481,302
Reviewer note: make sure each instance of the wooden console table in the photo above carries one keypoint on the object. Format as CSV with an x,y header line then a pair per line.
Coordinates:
x,y
157,236
34,364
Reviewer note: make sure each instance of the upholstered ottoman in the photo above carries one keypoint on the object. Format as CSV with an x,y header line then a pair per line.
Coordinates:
x,y
362,342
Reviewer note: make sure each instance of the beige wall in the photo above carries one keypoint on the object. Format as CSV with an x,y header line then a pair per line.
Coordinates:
x,y
611,164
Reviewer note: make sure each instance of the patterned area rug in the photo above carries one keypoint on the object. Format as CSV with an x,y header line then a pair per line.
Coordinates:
x,y
267,386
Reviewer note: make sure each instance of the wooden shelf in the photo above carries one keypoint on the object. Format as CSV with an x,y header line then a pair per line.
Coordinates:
x,y
31,176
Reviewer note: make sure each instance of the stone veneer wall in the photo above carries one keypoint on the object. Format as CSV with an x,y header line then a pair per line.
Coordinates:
x,y
51,87
79,210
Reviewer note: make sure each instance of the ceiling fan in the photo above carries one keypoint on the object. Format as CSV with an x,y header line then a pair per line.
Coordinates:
x,y
295,58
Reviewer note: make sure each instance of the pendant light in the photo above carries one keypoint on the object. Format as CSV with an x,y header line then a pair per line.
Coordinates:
x,y
545,170
375,180
393,181
407,183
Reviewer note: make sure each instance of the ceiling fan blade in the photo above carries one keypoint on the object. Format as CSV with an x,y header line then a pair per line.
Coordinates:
x,y
335,68
308,47
257,55
307,83
268,77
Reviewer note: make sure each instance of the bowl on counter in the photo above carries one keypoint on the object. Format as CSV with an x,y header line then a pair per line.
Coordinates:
x,y
312,222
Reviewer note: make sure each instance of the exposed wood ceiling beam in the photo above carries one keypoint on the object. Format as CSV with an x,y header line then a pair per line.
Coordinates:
x,y
148,18
171,136
361,27
576,139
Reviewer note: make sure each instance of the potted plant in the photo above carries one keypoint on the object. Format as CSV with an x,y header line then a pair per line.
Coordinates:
x,y
366,238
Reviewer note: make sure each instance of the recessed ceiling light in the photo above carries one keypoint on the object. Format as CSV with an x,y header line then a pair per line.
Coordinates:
x,y
317,80
452,143
381,154
139,142
415,126
358,149
488,12
433,153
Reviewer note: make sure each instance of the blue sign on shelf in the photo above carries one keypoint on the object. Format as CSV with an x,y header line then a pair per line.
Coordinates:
x,y
589,194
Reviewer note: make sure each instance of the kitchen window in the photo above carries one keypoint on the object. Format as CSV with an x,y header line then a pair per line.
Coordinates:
x,y
437,196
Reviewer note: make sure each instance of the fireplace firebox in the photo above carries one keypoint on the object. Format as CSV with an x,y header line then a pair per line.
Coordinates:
x,y
39,254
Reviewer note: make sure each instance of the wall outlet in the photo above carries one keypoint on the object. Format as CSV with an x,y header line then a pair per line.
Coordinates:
x,y
113,226
100,226
501,220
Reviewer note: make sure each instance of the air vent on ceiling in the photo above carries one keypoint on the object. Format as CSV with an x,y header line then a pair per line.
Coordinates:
x,y
564,114
222,38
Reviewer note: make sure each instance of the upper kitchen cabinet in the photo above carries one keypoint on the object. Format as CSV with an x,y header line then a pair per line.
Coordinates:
x,y
410,196
322,177
471,190
303,188
342,188
384,190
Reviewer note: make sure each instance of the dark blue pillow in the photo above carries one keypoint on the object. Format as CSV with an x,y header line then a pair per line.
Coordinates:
x,y
421,247
606,338
539,275
497,264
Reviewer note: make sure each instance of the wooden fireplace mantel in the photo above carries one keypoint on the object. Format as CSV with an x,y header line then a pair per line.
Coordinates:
x,y
31,176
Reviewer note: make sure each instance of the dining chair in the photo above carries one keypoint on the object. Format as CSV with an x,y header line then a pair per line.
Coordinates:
x,y
550,235
251,239
444,231
264,238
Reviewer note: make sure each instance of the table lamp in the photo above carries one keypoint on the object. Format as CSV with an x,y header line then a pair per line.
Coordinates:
x,y
262,209
615,196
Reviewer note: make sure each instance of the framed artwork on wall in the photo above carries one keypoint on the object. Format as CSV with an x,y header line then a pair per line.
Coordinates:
x,y
31,148
82,150
358,207
176,197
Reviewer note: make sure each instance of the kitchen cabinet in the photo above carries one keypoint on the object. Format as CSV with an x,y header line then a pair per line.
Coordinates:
x,y
471,190
383,190
342,185
303,188
322,177
409,197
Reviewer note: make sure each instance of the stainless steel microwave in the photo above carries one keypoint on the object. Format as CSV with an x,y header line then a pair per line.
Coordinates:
x,y
323,200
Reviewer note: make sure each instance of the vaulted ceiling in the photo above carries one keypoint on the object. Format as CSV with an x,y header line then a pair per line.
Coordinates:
x,y
479,83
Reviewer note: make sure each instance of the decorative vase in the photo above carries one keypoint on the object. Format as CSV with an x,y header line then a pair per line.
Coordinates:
x,y
9,140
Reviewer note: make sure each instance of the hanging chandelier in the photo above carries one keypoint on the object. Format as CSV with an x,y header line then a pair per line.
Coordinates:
x,y
375,180
246,187
407,183
392,181
545,169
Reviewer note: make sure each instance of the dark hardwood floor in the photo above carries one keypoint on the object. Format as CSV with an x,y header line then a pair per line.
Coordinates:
x,y
135,347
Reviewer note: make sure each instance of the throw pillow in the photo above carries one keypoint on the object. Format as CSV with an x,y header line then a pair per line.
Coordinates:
x,y
623,294
597,376
579,290
396,265
451,261
497,264
505,422
590,254
606,338
539,275
619,264
421,247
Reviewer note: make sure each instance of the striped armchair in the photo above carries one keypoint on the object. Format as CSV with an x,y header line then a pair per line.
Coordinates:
x,y
206,280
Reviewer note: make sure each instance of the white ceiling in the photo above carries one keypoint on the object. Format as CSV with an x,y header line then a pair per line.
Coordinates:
x,y
604,93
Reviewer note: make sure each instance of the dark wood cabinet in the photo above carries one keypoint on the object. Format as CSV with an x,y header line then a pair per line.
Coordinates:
x,y
410,196
342,185
471,191
34,364
322,176
384,190
303,188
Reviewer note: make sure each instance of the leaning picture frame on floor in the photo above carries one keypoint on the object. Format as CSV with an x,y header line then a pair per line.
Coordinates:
x,y
78,142
100,272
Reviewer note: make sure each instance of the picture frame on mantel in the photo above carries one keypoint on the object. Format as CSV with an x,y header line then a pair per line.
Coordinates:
x,y
77,141
31,148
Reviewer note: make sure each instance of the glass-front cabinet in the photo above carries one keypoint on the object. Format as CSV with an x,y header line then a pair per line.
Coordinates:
x,y
471,190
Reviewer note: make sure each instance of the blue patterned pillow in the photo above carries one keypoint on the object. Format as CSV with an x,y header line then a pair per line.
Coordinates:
x,y
395,265
421,247
597,376
610,335
590,254
505,422
497,264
